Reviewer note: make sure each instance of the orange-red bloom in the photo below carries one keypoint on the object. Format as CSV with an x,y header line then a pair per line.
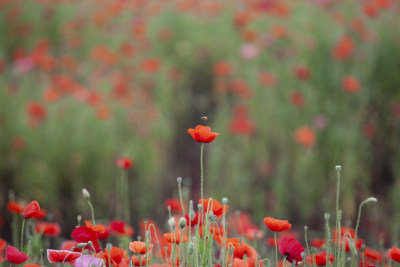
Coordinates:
x,y
31,209
305,136
277,225
351,84
215,206
394,254
15,207
140,247
320,259
175,237
202,134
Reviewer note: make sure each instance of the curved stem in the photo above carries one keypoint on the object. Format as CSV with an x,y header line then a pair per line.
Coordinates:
x,y
22,234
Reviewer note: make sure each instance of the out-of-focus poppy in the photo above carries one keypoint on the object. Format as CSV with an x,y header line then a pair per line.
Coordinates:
x,y
40,214
47,228
351,84
116,257
31,209
373,255
320,259
140,247
305,136
277,225
150,65
18,142
297,99
15,256
124,163
222,69
175,204
136,261
3,245
102,231
119,227
267,79
343,48
15,207
69,244
175,237
291,248
318,242
202,134
394,254
302,72
370,130
215,206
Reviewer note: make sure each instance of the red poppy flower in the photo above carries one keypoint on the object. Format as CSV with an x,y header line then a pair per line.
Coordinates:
x,y
351,84
15,207
302,72
40,214
119,227
344,48
62,256
124,163
140,247
202,134
136,261
297,99
15,256
305,136
216,207
277,225
83,234
69,244
394,254
3,245
102,231
320,259
291,248
175,204
150,65
270,241
175,237
242,249
222,69
318,243
31,209
46,228
117,256
373,255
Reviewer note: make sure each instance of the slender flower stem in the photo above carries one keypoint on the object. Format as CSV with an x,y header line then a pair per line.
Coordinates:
x,y
338,170
201,174
22,234
92,212
305,238
180,195
276,250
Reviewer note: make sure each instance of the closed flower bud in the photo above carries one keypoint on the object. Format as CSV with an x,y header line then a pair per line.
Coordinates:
x,y
171,222
179,179
191,249
338,168
327,216
182,223
224,201
82,245
85,194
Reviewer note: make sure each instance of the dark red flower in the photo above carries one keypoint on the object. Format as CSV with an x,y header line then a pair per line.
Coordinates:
x,y
46,228
31,210
62,256
40,214
15,256
291,248
124,163
15,207
202,134
83,234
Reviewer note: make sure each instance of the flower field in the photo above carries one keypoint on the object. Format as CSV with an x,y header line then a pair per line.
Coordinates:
x,y
264,109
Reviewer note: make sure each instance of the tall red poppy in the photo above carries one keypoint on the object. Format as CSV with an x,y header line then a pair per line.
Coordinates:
x,y
31,209
277,225
215,206
62,256
140,247
291,248
202,134
15,256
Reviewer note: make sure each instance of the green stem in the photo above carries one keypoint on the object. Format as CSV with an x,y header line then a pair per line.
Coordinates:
x,y
125,186
276,250
181,198
305,238
22,234
201,175
92,212
338,234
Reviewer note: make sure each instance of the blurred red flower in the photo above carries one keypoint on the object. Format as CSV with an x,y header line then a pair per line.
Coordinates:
x,y
46,228
320,259
119,227
216,207
175,204
351,84
202,134
222,69
3,245
291,248
124,163
175,237
305,136
140,247
31,209
343,48
15,207
15,256
277,225
297,99
302,72
394,254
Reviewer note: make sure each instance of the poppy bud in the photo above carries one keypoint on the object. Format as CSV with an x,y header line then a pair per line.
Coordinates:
x,y
327,216
370,200
171,222
191,249
85,194
305,227
179,179
182,223
338,168
82,245
224,201
200,207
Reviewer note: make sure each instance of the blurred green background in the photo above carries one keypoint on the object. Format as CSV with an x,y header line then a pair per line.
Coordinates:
x,y
294,88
